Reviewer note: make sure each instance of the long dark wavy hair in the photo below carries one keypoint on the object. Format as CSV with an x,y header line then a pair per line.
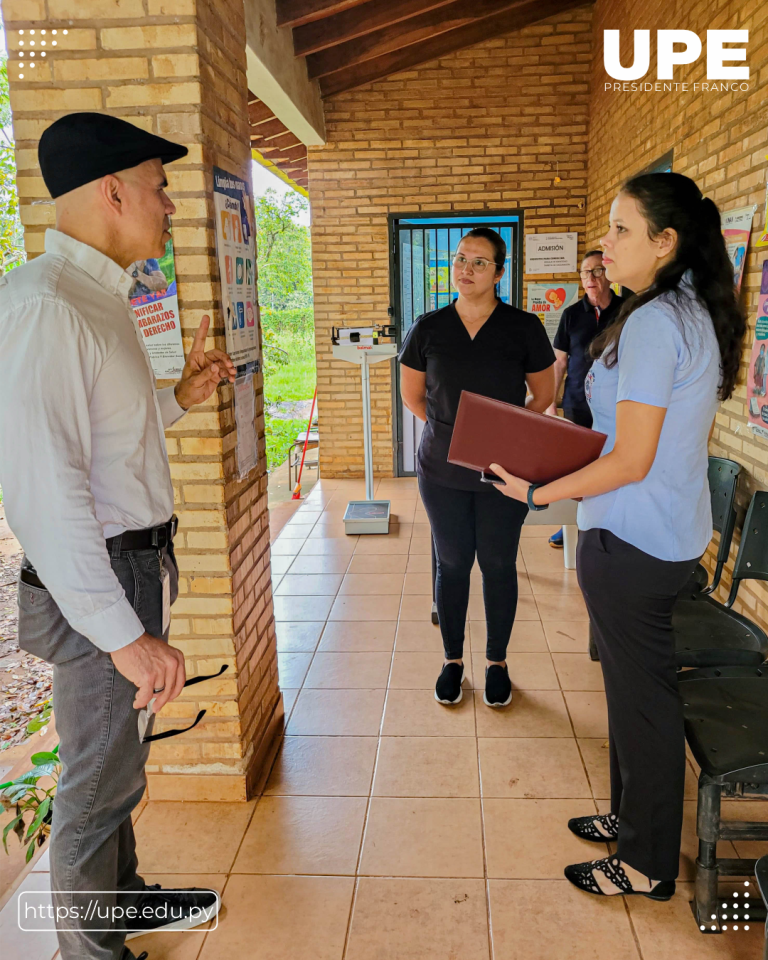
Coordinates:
x,y
670,200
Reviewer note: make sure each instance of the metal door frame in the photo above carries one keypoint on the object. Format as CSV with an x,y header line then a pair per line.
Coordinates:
x,y
516,289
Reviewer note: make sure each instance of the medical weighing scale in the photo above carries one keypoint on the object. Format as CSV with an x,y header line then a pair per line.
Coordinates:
x,y
362,345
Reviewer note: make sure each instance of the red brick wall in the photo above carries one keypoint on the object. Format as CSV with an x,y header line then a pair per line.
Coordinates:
x,y
479,129
721,141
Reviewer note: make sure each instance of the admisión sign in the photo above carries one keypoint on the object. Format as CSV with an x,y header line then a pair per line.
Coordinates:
x,y
675,47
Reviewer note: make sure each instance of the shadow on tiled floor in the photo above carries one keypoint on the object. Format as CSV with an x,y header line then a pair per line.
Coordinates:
x,y
392,828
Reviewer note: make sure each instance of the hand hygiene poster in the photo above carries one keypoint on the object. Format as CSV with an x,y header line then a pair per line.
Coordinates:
x,y
737,226
548,300
236,251
756,377
156,305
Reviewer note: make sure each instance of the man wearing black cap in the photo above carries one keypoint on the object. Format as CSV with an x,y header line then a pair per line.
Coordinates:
x,y
87,489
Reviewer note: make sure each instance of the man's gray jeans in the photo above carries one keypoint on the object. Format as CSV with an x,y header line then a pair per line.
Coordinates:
x,y
102,778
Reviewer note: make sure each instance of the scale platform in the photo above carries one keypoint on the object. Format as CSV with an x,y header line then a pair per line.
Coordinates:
x,y
366,516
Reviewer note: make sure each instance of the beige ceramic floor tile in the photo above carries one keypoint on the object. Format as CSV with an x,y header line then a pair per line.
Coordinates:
x,y
312,835
379,563
329,546
295,531
427,767
298,637
530,839
548,919
375,546
533,768
292,668
421,546
332,527
567,636
349,671
279,565
589,713
422,838
362,636
539,531
302,608
532,713
569,606
286,548
417,607
419,584
282,918
554,583
410,712
667,931
444,919
419,563
289,700
527,637
163,836
418,636
527,671
337,713
309,585
365,608
324,767
419,671
576,671
376,584
320,565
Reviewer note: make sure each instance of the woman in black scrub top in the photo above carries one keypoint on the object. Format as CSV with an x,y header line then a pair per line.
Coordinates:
x,y
482,345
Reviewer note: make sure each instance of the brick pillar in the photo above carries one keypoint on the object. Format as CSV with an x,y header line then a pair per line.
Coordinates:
x,y
177,68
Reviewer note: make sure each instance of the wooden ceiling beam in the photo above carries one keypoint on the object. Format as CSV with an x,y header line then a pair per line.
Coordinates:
x,y
458,15
284,142
356,22
258,112
293,13
444,43
268,129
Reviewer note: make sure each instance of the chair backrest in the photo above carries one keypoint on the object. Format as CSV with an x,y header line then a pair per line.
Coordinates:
x,y
723,476
752,559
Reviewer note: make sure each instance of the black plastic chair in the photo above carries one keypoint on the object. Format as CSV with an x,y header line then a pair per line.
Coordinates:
x,y
726,725
708,633
723,477
761,875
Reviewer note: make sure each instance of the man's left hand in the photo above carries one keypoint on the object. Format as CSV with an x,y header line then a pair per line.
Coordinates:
x,y
513,487
203,370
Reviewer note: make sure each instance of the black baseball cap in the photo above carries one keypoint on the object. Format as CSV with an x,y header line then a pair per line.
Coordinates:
x,y
81,147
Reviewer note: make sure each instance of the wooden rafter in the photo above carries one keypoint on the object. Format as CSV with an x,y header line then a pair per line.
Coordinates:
x,y
458,15
356,22
443,43
280,148
292,13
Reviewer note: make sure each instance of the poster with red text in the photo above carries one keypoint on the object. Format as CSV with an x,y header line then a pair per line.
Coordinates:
x,y
548,300
155,302
756,375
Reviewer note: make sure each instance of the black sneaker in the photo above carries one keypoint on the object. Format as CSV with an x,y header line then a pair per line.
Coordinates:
x,y
498,686
448,686
159,909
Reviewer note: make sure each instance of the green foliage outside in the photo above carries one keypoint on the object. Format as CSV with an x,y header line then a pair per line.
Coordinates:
x,y
287,318
11,236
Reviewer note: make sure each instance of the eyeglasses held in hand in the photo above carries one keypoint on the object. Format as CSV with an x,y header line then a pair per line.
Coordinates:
x,y
145,714
596,272
478,264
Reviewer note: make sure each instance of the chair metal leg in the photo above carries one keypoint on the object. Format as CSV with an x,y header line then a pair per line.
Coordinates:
x,y
707,829
435,618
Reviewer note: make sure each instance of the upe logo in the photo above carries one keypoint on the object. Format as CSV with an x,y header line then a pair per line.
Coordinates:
x,y
675,47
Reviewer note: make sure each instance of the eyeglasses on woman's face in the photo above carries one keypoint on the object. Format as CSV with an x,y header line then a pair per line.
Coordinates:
x,y
595,272
478,264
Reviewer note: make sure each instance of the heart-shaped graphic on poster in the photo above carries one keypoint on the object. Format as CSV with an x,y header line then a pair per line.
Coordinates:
x,y
556,297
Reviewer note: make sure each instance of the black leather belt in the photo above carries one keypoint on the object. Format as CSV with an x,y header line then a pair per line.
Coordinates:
x,y
154,538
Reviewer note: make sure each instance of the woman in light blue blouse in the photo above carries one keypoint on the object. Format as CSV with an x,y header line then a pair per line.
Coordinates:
x,y
645,517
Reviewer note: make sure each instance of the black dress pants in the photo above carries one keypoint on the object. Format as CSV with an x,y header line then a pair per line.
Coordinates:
x,y
630,596
580,415
466,523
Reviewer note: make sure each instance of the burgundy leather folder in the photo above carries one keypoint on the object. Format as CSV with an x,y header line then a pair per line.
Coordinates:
x,y
529,445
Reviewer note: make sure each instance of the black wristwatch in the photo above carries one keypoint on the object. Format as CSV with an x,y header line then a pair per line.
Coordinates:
x,y
531,490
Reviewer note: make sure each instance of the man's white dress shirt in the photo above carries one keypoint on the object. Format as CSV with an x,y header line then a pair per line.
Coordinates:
x,y
82,447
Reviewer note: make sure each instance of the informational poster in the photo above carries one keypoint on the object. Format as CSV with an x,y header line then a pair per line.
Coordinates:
x,y
155,302
236,251
737,226
548,300
762,239
550,252
758,364
245,417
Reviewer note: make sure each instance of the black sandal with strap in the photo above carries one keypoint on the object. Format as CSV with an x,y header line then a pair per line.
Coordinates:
x,y
585,828
582,875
